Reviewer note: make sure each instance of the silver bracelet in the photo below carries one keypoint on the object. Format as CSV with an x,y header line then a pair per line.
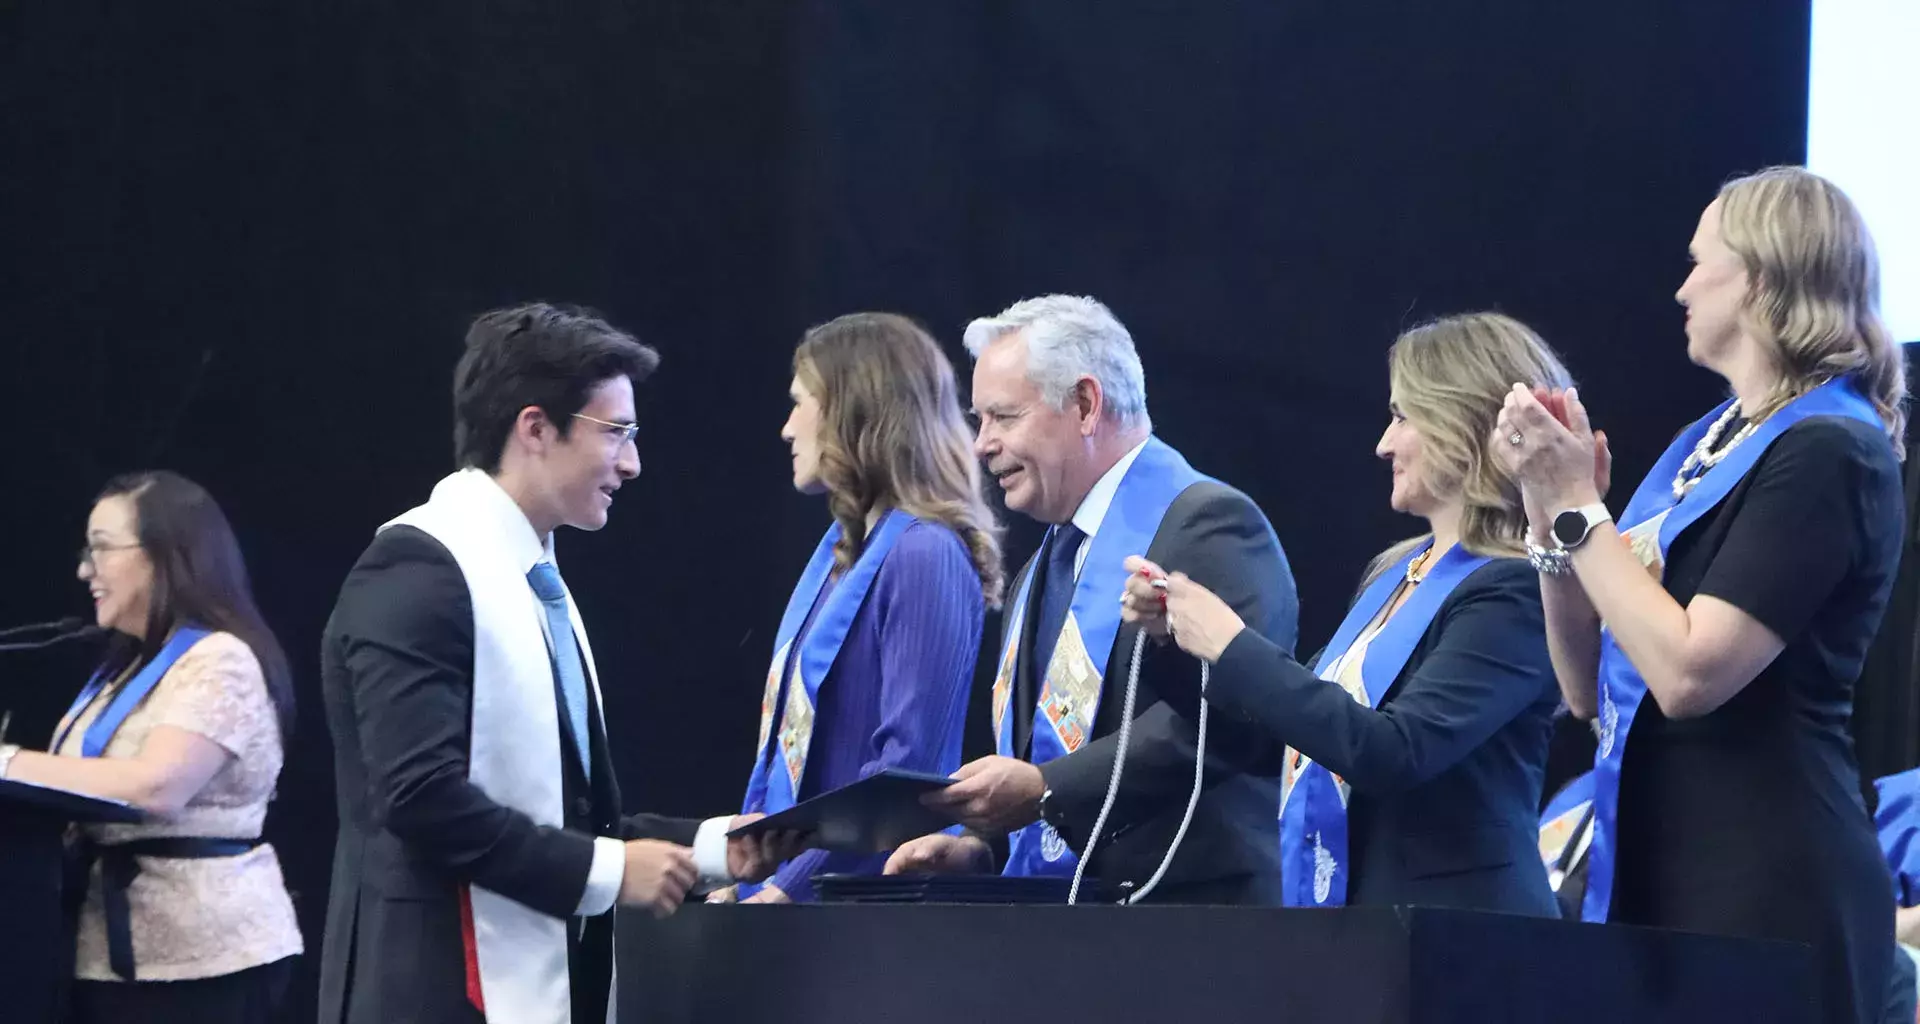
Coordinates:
x,y
1553,561
7,750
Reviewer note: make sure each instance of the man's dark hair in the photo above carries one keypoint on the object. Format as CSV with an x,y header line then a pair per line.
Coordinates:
x,y
540,355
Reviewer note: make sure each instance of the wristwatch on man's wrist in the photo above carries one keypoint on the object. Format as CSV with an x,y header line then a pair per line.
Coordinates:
x,y
7,750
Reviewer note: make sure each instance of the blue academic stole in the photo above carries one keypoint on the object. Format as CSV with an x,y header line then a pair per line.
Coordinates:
x,y
1070,692
94,743
777,770
1621,687
1313,813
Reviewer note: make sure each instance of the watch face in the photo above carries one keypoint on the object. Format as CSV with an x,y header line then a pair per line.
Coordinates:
x,y
1569,528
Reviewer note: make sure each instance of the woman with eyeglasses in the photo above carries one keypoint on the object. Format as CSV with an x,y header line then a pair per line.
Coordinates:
x,y
185,719
874,657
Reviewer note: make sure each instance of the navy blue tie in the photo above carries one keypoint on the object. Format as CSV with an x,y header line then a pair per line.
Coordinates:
x,y
1056,596
567,670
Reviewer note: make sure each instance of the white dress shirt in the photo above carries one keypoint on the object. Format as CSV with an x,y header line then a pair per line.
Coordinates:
x,y
1093,508
609,867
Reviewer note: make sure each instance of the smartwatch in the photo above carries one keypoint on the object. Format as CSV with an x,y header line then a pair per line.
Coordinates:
x,y
1572,527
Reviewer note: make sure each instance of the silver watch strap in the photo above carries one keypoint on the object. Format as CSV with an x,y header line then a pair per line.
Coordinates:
x,y
1553,561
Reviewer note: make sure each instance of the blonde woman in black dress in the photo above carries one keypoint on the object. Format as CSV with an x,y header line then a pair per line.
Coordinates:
x,y
1738,596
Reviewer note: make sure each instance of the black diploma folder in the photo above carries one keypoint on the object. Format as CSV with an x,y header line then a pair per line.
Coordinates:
x,y
872,815
65,804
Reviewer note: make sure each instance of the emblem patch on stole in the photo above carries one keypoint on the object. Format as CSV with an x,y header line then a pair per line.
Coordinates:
x,y
1003,686
1644,542
1072,691
1323,868
796,731
1555,834
1052,847
769,695
1609,719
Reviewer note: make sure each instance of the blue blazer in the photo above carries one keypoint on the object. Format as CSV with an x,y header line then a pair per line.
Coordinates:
x,y
1447,771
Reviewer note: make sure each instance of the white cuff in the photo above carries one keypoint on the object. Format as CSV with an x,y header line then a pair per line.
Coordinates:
x,y
604,878
710,852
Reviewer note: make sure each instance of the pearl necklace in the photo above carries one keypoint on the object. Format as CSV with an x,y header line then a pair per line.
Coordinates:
x,y
1704,457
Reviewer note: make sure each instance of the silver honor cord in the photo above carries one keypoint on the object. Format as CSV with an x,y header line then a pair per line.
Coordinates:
x,y
1119,767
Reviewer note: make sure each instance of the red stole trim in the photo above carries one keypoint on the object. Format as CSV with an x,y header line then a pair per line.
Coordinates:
x,y
471,951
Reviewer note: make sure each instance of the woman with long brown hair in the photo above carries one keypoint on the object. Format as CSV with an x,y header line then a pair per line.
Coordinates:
x,y
185,915
874,657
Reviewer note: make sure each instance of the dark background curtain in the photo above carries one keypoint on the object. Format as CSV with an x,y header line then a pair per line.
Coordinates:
x,y
244,242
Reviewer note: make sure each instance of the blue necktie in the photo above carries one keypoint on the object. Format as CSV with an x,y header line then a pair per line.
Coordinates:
x,y
565,652
1056,596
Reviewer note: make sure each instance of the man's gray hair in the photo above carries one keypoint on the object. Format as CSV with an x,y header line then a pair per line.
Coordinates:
x,y
1070,337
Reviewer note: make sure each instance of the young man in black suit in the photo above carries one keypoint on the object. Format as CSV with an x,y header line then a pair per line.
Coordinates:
x,y
481,839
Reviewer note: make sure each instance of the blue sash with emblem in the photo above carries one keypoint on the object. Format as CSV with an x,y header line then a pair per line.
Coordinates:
x,y
1653,516
779,764
108,722
1072,682
1313,812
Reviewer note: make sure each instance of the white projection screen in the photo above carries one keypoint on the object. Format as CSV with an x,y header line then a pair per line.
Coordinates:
x,y
1863,132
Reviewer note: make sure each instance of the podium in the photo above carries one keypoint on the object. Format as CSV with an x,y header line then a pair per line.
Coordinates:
x,y
933,964
36,949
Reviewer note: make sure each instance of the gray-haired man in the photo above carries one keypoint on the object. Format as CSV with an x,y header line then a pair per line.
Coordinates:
x,y
1061,399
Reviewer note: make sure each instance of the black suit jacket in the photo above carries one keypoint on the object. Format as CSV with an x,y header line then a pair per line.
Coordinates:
x,y
397,675
1446,773
1218,536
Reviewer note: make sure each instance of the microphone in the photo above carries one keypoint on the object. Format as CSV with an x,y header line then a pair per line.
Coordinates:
x,y
66,625
83,633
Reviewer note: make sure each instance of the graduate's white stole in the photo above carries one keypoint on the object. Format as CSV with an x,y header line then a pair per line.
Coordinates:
x,y
1313,810
1650,523
1074,677
774,784
516,956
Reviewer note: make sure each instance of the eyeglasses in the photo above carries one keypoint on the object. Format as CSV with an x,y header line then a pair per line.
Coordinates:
x,y
93,551
624,431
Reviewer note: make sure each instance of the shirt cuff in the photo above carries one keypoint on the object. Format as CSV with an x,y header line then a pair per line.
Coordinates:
x,y
710,852
604,878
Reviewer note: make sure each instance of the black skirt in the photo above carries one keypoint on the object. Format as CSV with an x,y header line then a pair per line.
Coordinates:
x,y
251,996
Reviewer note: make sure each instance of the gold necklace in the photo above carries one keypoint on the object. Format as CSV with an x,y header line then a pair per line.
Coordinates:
x,y
1417,569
